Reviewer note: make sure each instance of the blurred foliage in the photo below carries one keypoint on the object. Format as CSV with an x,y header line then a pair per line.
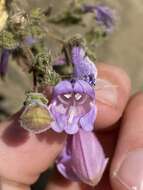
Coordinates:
x,y
58,22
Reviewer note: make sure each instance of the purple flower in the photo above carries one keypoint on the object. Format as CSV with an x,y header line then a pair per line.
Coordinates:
x,y
104,15
84,68
29,40
73,107
82,159
4,62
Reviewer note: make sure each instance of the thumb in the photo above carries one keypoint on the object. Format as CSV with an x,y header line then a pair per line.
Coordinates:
x,y
24,155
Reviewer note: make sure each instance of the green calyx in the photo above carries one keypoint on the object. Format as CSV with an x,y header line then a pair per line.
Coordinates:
x,y
36,15
76,41
34,96
7,40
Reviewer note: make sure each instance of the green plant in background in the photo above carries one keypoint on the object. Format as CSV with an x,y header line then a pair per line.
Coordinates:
x,y
25,32
24,35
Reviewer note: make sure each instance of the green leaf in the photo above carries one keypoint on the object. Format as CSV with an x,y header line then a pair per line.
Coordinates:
x,y
67,18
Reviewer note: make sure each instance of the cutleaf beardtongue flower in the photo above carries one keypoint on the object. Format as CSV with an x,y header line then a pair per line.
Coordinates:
x,y
73,106
82,158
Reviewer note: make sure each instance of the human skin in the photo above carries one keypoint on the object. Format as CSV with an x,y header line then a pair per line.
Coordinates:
x,y
24,155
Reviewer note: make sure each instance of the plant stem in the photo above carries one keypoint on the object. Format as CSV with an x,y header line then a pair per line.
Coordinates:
x,y
30,58
34,81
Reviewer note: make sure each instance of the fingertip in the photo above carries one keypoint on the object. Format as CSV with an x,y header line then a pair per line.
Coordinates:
x,y
126,168
26,152
112,99
109,71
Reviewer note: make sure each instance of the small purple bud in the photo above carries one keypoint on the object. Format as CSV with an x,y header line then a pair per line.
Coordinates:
x,y
4,62
29,40
105,16
82,159
84,68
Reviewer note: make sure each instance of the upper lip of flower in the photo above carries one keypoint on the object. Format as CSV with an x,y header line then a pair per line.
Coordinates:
x,y
80,86
63,87
84,68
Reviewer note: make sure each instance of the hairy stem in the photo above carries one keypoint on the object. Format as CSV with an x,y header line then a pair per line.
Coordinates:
x,y
30,57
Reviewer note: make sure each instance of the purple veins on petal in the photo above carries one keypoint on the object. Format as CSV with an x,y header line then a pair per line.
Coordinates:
x,y
84,68
4,62
63,162
62,88
83,87
83,158
88,157
87,121
72,101
60,120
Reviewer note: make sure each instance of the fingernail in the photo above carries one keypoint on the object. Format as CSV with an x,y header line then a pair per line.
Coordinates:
x,y
130,174
106,92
